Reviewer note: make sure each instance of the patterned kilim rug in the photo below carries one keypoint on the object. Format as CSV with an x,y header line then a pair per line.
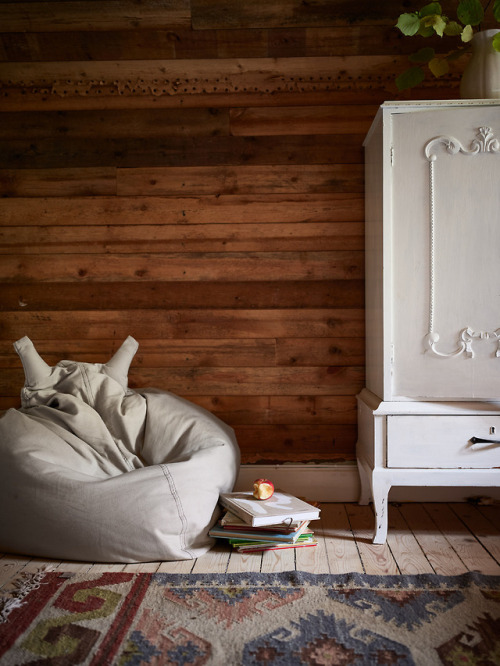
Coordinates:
x,y
287,618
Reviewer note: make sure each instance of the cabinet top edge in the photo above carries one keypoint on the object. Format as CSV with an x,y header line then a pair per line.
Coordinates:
x,y
429,407
388,108
438,103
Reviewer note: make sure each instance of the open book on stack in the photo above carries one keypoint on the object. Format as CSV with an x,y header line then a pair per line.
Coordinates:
x,y
252,525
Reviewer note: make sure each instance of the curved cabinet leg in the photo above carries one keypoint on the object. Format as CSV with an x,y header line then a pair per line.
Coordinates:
x,y
365,494
380,490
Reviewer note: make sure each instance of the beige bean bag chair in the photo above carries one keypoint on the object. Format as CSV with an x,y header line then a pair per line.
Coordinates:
x,y
91,470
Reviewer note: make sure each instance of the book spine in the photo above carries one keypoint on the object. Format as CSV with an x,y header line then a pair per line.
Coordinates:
x,y
264,548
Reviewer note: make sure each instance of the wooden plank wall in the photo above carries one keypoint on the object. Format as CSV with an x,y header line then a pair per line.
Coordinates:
x,y
191,173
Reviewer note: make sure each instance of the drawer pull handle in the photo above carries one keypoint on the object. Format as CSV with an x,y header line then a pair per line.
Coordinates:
x,y
478,440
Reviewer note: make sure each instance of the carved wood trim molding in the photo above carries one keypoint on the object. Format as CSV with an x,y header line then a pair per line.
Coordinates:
x,y
485,142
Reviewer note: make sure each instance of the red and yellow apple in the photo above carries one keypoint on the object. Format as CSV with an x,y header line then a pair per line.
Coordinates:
x,y
263,489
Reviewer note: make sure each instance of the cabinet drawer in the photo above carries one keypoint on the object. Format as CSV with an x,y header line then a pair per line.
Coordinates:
x,y
442,441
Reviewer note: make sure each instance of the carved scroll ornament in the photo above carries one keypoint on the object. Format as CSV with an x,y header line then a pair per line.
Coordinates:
x,y
485,142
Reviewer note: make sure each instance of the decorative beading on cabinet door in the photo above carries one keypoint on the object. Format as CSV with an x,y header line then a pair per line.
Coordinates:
x,y
485,142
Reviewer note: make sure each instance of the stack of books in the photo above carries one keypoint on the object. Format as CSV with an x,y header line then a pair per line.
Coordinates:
x,y
252,525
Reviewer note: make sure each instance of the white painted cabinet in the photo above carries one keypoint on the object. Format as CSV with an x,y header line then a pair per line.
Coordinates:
x,y
432,300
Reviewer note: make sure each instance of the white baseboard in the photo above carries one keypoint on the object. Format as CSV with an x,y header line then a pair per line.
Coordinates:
x,y
323,483
340,483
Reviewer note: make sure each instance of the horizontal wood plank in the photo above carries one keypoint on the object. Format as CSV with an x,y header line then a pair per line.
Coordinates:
x,y
122,124
223,267
72,296
265,444
310,120
157,353
120,84
185,43
186,324
327,352
128,15
211,209
254,410
361,38
374,89
320,351
58,182
184,181
81,15
223,14
296,410
179,151
197,76
230,381
156,239
153,353
270,179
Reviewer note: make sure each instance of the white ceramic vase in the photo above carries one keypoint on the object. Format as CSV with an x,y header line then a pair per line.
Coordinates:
x,y
481,77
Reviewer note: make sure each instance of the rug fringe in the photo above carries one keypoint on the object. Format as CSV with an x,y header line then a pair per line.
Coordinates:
x,y
26,583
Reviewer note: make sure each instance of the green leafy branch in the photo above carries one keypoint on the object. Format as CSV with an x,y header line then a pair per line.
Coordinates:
x,y
430,21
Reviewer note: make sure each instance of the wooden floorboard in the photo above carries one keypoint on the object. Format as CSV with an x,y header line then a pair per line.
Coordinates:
x,y
405,548
465,539
447,539
377,559
340,542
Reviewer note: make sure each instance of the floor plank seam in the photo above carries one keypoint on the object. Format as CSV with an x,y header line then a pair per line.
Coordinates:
x,y
446,538
355,539
418,542
475,536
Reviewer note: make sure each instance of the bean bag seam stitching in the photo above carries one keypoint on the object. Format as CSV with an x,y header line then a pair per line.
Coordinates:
x,y
180,510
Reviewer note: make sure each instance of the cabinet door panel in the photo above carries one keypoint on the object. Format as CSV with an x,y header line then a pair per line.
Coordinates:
x,y
445,292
